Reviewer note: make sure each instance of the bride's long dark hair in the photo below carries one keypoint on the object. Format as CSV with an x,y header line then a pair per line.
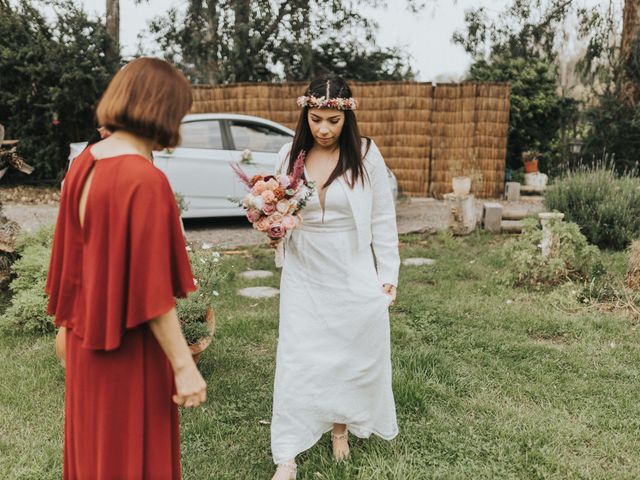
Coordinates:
x,y
350,141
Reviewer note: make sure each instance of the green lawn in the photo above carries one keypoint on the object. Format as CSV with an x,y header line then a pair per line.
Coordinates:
x,y
490,382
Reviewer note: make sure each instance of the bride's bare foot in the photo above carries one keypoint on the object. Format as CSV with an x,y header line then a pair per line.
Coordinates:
x,y
285,471
340,442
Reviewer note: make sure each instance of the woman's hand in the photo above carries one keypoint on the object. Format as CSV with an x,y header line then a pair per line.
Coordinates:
x,y
391,291
191,389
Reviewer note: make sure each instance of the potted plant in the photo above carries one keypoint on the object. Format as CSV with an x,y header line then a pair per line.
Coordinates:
x,y
196,313
530,160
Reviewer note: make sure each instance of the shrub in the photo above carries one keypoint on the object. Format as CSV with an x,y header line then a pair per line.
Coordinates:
x,y
571,258
193,309
27,312
605,205
53,70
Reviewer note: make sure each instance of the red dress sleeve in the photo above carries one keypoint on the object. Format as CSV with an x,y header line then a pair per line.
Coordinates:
x,y
128,261
159,268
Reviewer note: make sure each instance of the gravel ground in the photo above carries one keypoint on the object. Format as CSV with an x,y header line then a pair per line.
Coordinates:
x,y
414,215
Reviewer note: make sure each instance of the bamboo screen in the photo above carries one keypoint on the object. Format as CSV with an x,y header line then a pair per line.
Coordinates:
x,y
426,133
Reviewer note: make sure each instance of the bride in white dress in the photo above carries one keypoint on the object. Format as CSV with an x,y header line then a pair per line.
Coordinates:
x,y
340,272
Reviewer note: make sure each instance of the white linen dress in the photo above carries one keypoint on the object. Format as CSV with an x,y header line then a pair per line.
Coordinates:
x,y
333,362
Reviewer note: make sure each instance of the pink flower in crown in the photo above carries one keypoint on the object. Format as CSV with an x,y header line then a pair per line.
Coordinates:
x,y
283,206
284,180
276,230
289,222
269,208
263,224
268,196
259,187
253,215
272,184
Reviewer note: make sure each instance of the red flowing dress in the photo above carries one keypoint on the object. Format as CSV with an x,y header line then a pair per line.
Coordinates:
x,y
106,280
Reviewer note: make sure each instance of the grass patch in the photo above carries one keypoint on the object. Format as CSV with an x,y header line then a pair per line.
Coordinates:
x,y
490,382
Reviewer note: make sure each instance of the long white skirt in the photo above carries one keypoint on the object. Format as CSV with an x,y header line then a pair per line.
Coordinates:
x,y
333,363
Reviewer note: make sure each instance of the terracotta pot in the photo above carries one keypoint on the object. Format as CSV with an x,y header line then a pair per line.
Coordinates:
x,y
61,338
461,185
199,347
531,166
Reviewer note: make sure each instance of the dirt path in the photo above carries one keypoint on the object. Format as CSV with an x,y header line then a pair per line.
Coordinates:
x,y
34,207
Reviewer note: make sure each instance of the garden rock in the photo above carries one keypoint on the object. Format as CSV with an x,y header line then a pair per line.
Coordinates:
x,y
416,262
259,292
252,274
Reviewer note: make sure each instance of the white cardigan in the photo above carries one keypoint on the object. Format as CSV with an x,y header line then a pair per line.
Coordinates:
x,y
373,210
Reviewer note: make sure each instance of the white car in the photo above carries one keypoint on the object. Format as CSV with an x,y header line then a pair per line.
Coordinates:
x,y
199,168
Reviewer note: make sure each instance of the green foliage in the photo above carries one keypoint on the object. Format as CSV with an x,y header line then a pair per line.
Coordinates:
x,y
536,110
570,257
183,205
606,206
614,130
192,311
31,268
27,312
51,76
258,41
490,383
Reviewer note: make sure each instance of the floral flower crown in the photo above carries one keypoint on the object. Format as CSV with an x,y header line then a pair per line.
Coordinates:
x,y
337,103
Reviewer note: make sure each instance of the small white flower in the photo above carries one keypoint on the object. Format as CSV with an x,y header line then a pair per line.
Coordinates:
x,y
215,294
195,282
215,254
206,246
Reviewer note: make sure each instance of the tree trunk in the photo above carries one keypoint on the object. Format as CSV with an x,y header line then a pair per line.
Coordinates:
x,y
113,30
629,88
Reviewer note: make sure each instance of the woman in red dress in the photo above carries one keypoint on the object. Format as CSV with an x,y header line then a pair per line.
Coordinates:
x,y
117,264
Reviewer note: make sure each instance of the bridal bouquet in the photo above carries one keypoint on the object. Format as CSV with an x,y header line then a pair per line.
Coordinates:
x,y
274,202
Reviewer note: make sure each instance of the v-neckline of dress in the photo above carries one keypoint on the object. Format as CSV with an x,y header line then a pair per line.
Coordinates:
x,y
317,189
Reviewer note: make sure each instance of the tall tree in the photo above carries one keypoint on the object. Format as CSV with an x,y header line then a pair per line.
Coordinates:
x,y
52,72
113,29
222,41
630,53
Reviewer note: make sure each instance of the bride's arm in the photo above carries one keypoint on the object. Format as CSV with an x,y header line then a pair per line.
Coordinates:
x,y
384,229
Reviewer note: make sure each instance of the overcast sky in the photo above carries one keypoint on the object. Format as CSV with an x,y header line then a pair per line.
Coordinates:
x,y
426,36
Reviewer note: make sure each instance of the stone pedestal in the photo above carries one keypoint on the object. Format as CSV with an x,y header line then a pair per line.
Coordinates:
x,y
462,213
512,191
492,217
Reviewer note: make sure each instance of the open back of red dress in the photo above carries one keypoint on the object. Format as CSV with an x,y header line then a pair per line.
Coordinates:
x,y
107,278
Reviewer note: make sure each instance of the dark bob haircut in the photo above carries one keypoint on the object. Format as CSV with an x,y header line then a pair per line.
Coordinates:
x,y
147,97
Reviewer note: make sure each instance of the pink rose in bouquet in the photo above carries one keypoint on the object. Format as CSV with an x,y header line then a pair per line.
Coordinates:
x,y
269,208
253,215
276,217
272,183
259,187
268,196
276,230
283,206
263,224
273,203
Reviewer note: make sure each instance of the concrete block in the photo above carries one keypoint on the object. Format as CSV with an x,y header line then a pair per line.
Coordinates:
x,y
512,191
492,217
